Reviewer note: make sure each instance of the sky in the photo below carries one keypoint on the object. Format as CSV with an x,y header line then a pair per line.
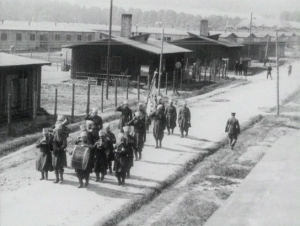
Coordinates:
x,y
202,7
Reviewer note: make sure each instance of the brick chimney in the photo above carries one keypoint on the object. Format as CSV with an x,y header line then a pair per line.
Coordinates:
x,y
204,28
126,24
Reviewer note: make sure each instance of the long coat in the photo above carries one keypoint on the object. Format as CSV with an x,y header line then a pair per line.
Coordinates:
x,y
184,118
159,124
97,126
44,159
126,116
139,125
130,141
171,117
121,157
232,126
59,158
100,159
110,145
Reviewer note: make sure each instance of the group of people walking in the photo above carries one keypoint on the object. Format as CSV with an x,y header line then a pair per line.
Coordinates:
x,y
97,148
240,68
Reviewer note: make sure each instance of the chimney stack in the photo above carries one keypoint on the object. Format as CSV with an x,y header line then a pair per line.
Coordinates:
x,y
204,28
126,24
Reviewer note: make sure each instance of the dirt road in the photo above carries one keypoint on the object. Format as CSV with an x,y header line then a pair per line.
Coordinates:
x,y
44,203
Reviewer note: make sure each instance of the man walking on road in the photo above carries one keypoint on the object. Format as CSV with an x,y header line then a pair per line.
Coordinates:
x,y
289,69
233,129
269,70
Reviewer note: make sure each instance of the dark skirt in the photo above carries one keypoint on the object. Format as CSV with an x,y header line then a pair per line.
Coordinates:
x,y
158,129
59,159
171,121
100,163
139,141
44,162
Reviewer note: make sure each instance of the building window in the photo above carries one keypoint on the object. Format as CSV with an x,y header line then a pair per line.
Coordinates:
x,y
19,37
79,37
69,37
3,36
57,37
115,64
89,37
32,37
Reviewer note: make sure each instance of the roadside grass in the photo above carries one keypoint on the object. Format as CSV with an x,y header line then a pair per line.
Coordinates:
x,y
220,174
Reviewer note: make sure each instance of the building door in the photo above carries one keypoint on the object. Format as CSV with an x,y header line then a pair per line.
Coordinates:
x,y
44,41
15,93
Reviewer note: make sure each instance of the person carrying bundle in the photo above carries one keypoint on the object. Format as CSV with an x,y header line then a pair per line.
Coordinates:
x,y
44,160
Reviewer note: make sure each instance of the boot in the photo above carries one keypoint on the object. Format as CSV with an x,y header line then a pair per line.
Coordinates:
x,y
56,177
119,180
61,178
160,143
187,133
80,184
136,157
168,131
181,133
128,174
172,131
123,180
102,176
156,143
97,177
140,155
46,175
42,178
110,170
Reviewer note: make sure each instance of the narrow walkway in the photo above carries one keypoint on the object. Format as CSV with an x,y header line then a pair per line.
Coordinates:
x,y
270,193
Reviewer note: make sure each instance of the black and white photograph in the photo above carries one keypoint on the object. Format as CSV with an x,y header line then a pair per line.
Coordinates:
x,y
149,113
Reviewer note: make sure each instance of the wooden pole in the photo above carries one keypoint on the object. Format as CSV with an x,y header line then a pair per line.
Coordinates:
x,y
138,88
181,79
88,99
127,88
9,115
205,71
73,102
174,74
277,70
102,95
34,107
108,48
116,93
166,83
55,105
161,61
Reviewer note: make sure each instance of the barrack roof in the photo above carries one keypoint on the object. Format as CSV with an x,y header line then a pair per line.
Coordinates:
x,y
9,60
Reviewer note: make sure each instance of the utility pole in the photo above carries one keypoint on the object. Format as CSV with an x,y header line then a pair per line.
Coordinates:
x,y
250,36
277,71
108,49
267,46
161,61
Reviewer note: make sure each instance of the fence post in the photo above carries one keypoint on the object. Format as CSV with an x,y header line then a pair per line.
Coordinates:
x,y
73,102
174,74
9,115
181,79
102,93
88,99
219,68
139,87
116,93
55,105
210,71
34,107
127,88
205,71
166,83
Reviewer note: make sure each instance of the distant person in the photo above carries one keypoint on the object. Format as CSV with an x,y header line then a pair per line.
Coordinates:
x,y
159,124
171,117
233,129
245,70
236,68
289,69
184,119
126,115
241,68
269,71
